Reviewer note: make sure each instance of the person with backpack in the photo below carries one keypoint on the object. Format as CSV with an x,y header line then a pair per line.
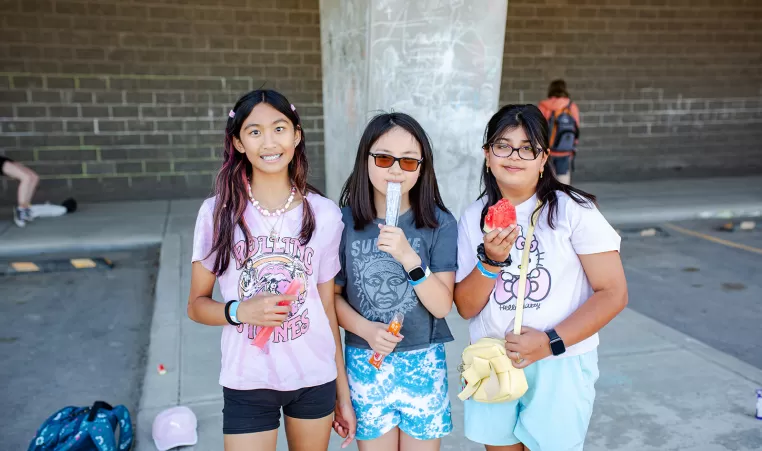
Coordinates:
x,y
563,124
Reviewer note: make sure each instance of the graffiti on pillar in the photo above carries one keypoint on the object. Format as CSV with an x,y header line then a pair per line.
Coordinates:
x,y
440,61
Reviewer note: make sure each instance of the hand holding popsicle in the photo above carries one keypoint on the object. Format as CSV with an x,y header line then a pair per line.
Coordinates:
x,y
265,310
392,239
263,336
380,339
394,330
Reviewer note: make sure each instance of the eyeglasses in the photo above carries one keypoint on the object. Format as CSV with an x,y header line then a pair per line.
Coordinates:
x,y
502,149
407,164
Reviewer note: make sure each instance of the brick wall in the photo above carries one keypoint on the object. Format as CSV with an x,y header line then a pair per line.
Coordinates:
x,y
665,87
115,99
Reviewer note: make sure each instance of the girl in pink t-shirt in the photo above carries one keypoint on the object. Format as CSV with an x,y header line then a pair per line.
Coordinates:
x,y
264,228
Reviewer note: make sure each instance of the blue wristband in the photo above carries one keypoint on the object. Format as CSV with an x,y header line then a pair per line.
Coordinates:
x,y
485,272
234,311
427,272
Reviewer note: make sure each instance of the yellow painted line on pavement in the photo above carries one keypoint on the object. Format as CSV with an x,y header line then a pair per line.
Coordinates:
x,y
714,239
24,267
80,263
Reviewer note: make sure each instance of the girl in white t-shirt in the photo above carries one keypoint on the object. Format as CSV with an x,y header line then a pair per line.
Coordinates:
x,y
575,286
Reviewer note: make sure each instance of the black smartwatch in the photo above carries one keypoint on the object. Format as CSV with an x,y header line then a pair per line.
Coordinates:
x,y
417,275
557,346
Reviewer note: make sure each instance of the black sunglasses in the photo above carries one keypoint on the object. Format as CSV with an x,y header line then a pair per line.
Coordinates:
x,y
407,164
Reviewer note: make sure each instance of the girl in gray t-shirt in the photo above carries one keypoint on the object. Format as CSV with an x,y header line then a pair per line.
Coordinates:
x,y
408,269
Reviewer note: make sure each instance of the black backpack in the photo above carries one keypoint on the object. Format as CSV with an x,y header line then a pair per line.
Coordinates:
x,y
563,130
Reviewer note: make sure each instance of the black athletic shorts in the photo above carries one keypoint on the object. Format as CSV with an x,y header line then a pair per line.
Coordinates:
x,y
248,411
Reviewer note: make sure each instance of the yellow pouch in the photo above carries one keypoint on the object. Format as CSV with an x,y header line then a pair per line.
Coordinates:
x,y
489,374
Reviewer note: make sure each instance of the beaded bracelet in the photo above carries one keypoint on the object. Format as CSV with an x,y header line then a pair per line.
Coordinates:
x,y
482,256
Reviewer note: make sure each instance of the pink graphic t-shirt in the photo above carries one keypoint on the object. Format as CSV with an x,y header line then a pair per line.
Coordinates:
x,y
301,352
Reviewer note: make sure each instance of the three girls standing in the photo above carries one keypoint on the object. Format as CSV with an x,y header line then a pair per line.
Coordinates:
x,y
266,227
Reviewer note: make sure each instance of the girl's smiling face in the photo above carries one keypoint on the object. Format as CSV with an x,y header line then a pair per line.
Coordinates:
x,y
268,139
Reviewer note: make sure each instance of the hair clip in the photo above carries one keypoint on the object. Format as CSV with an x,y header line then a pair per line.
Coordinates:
x,y
231,114
293,108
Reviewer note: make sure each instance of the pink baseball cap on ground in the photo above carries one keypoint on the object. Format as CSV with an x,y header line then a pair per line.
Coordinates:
x,y
174,427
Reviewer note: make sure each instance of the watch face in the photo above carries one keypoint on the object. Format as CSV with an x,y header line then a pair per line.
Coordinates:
x,y
417,274
557,347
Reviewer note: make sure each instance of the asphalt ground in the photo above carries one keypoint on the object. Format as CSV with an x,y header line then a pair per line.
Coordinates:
x,y
71,336
701,281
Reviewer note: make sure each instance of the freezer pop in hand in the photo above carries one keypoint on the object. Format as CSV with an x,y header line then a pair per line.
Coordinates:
x,y
264,334
393,197
394,327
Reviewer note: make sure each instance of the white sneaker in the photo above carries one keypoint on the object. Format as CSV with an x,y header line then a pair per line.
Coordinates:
x,y
26,215
18,217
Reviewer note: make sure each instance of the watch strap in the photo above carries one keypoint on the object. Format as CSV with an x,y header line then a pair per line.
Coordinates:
x,y
557,346
426,274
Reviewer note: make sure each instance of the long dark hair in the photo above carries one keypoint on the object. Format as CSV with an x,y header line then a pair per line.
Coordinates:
x,y
231,185
357,192
531,120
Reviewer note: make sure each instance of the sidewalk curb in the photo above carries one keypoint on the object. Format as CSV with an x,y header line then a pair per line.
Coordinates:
x,y
162,391
20,249
650,215
697,347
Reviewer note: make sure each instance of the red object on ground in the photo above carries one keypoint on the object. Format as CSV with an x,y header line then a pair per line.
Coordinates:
x,y
161,369
264,334
500,215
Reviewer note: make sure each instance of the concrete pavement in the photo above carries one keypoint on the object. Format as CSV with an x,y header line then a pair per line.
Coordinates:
x,y
659,389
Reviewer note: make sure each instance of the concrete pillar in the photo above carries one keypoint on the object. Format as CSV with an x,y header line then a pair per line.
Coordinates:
x,y
439,61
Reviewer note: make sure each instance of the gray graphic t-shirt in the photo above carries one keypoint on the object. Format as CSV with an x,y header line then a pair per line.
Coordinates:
x,y
376,285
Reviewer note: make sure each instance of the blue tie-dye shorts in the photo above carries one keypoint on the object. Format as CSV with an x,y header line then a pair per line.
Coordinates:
x,y
409,391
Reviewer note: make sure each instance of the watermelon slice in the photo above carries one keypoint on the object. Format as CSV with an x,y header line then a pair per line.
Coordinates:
x,y
500,216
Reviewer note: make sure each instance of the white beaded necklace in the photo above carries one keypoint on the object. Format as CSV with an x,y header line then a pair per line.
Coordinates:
x,y
277,211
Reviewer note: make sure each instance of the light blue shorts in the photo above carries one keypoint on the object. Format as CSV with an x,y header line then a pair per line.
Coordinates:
x,y
409,391
552,415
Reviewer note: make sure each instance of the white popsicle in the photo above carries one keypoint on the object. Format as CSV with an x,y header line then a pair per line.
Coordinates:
x,y
393,197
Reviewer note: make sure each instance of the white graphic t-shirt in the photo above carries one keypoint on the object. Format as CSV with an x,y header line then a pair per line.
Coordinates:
x,y
556,282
